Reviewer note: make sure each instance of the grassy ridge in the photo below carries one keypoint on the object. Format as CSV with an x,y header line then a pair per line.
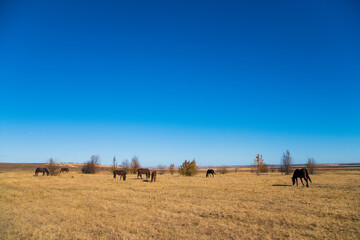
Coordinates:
x,y
231,206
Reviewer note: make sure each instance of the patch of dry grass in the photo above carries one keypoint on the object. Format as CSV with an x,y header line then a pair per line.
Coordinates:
x,y
232,206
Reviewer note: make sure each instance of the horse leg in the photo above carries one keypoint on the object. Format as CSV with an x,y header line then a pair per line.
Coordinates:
x,y
302,181
296,182
307,184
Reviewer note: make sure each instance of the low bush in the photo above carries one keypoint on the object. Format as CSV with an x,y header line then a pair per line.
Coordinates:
x,y
53,167
161,169
222,170
91,167
172,169
188,168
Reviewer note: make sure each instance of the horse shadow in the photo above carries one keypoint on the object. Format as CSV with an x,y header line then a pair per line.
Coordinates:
x,y
281,185
145,180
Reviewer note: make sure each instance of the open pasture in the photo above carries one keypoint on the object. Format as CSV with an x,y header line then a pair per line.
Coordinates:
x,y
232,206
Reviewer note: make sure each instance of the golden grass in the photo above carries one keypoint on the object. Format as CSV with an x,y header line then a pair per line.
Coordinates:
x,y
231,206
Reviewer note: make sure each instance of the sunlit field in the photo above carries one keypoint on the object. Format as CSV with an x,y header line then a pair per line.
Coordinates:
x,y
232,206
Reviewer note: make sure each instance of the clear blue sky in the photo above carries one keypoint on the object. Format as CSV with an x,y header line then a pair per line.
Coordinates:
x,y
218,81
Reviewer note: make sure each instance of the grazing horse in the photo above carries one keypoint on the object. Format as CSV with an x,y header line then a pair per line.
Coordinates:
x,y
120,173
65,169
153,176
302,174
210,171
43,170
143,171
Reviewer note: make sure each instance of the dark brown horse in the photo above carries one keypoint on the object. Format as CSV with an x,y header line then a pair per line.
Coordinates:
x,y
65,169
43,170
153,176
210,171
120,173
302,174
143,171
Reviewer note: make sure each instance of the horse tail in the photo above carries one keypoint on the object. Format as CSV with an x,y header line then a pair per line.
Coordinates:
x,y
114,174
307,174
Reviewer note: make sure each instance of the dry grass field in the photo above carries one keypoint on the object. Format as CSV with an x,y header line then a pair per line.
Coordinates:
x,y
232,206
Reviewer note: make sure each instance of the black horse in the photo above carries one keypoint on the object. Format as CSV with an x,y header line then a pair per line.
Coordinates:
x,y
153,176
210,171
145,171
43,170
302,174
120,173
64,169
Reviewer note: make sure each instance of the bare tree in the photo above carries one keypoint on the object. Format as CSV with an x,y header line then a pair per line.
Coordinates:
x,y
125,165
311,165
135,165
286,162
114,165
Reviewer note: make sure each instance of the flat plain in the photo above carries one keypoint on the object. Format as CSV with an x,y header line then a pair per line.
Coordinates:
x,y
237,205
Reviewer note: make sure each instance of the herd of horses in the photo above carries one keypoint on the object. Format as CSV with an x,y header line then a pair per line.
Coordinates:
x,y
298,173
140,171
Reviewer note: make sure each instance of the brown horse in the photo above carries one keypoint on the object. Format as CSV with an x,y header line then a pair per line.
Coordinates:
x,y
43,170
153,176
302,174
143,171
121,173
65,169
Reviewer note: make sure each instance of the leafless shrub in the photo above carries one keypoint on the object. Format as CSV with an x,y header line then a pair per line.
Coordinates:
x,y
161,169
236,170
135,165
286,162
91,167
264,168
259,165
53,167
311,165
222,170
